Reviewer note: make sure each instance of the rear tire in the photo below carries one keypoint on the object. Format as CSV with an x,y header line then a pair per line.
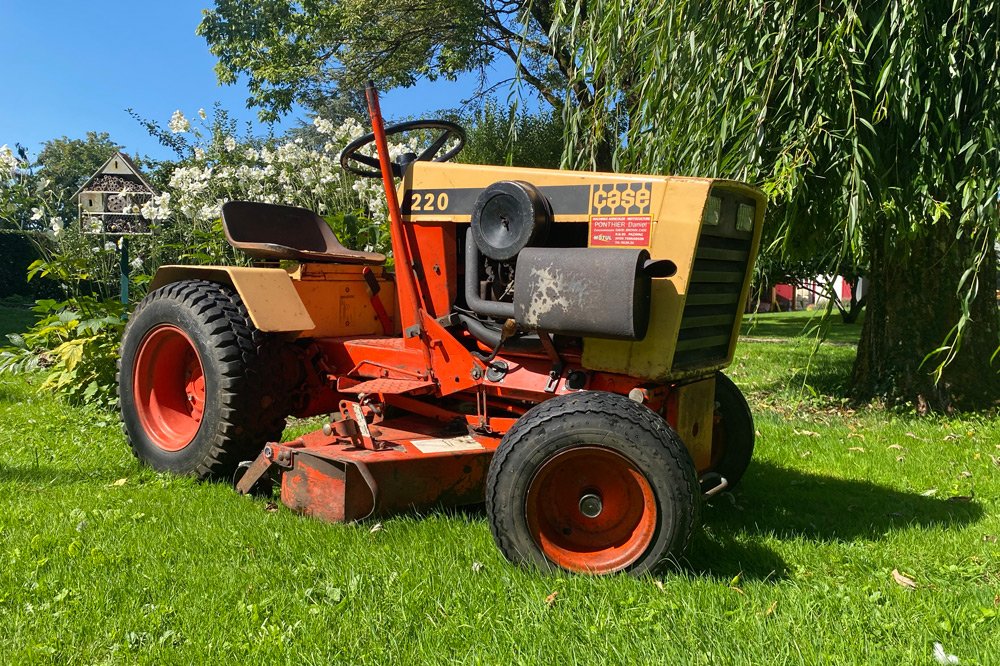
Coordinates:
x,y
194,392
592,482
733,433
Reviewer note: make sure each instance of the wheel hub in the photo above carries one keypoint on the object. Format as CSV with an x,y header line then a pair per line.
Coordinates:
x,y
591,509
591,505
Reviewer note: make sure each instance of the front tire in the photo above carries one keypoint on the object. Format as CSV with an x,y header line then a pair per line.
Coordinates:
x,y
193,392
592,482
733,433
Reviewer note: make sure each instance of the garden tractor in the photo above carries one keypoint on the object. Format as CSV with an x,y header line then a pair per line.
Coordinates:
x,y
548,341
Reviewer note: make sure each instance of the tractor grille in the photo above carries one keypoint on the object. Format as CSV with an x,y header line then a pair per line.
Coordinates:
x,y
714,290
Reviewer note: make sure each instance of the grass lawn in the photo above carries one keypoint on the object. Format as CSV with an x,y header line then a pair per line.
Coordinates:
x,y
106,562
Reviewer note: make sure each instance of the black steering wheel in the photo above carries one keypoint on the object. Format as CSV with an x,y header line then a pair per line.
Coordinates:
x,y
429,154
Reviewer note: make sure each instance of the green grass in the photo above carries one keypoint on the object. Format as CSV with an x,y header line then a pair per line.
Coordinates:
x,y
14,318
108,563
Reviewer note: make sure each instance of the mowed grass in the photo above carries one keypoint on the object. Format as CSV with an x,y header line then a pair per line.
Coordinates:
x,y
106,562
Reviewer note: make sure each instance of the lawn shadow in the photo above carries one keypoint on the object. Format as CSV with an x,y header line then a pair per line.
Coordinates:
x,y
790,503
43,476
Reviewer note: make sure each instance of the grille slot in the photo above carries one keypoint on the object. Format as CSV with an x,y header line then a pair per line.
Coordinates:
x,y
713,296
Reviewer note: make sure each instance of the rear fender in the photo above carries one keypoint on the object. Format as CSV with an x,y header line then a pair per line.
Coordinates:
x,y
268,293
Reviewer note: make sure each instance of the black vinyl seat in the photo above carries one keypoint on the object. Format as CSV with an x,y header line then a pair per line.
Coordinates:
x,y
272,233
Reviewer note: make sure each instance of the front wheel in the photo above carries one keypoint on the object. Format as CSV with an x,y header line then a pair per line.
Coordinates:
x,y
193,391
733,433
594,483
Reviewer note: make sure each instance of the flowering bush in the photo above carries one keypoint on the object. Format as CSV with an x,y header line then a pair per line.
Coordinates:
x,y
218,167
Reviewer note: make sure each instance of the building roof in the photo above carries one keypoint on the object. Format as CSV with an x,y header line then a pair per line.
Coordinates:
x,y
130,167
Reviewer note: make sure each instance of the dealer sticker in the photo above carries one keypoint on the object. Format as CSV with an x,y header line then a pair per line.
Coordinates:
x,y
620,230
450,445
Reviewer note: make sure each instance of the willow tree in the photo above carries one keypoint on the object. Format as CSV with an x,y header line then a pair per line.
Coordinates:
x,y
871,124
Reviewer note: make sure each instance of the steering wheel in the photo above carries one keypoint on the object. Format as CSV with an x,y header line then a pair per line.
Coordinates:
x,y
429,154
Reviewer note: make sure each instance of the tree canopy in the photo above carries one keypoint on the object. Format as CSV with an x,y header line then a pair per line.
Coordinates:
x,y
871,125
306,52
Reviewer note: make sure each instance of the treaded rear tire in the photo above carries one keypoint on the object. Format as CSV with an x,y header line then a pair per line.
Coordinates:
x,y
604,426
243,405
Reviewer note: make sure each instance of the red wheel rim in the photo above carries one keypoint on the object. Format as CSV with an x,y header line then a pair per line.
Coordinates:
x,y
590,509
169,387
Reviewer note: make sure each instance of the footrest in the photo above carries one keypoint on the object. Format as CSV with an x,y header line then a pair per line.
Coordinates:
x,y
391,386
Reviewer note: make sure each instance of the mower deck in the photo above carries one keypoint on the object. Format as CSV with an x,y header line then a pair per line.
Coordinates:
x,y
330,477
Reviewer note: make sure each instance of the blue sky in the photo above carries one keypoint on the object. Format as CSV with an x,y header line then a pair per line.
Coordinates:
x,y
71,66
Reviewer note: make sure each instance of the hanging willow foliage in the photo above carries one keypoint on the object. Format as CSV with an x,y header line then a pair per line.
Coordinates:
x,y
869,124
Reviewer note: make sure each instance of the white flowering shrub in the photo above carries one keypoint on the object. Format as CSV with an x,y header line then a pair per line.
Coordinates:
x,y
221,167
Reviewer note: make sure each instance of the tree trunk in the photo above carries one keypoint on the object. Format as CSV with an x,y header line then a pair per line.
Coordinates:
x,y
913,304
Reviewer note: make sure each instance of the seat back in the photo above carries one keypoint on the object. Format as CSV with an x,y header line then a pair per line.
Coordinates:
x,y
273,232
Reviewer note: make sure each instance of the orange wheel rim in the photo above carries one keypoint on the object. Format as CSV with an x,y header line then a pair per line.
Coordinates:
x,y
169,387
590,509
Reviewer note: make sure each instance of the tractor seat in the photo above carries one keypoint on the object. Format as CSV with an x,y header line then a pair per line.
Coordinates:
x,y
272,232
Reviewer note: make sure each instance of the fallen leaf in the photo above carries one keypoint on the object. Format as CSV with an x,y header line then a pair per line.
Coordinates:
x,y
659,585
961,498
996,599
950,436
120,482
271,507
903,581
965,475
895,447
858,449
806,433
929,493
770,609
855,434
996,460
550,600
900,458
989,538
377,527
805,454
477,566
910,434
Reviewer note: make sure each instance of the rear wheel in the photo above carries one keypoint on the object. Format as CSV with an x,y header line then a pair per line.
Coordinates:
x,y
193,391
592,482
733,433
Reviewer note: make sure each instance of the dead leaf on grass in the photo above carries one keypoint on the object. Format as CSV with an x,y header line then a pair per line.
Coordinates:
x,y
895,447
929,493
770,609
550,600
989,538
120,482
910,434
271,507
659,585
805,454
996,460
377,527
951,436
900,458
903,581
857,449
855,434
965,475
805,433
477,567
961,498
